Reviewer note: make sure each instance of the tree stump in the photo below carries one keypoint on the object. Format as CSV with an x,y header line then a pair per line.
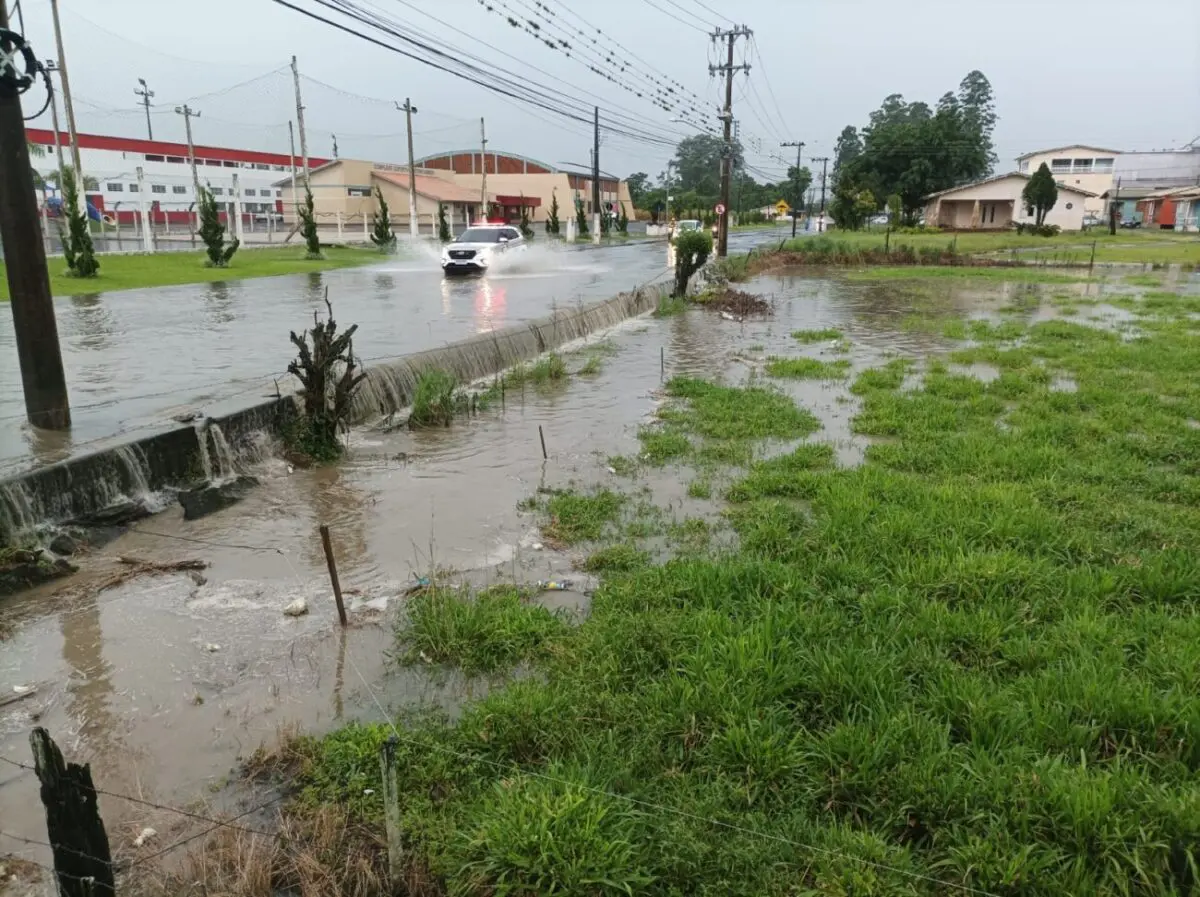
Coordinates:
x,y
82,860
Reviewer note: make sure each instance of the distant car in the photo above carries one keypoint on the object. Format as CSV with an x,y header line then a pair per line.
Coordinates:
x,y
878,219
479,246
1131,223
683,226
1092,220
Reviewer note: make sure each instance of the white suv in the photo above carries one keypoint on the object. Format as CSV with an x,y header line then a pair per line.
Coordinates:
x,y
478,247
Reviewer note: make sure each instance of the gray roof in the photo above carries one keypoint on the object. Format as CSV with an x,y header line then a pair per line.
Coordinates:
x,y
1055,149
1001,177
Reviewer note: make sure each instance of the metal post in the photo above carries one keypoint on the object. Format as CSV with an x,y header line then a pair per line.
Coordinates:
x,y
797,198
413,227
341,234
38,352
300,121
143,214
824,160
70,109
483,200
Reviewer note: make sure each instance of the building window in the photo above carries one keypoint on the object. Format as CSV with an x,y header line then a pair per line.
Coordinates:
x,y
229,164
261,166
150,158
358,191
115,188
157,188
1070,206
178,160
1083,166
217,191
1102,166
179,188
216,162
252,193
1060,166
133,188
279,193
1023,165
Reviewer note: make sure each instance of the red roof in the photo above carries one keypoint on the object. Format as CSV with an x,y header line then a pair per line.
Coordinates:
x,y
45,137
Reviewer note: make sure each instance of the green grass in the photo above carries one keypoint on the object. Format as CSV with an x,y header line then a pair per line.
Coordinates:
x,y
807,368
962,272
620,558
548,370
661,444
574,517
436,400
971,662
591,367
817,336
487,632
127,272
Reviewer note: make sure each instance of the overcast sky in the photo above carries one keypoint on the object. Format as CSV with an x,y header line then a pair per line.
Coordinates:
x,y
1113,73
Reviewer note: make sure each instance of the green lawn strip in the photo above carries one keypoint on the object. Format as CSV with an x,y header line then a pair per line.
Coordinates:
x,y
974,658
964,272
127,272
807,368
817,336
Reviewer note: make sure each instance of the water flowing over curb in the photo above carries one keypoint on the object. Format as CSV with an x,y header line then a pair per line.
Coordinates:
x,y
140,469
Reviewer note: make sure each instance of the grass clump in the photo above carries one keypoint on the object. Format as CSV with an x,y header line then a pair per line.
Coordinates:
x,y
436,400
661,444
807,368
817,336
890,376
574,517
619,558
591,367
727,412
700,487
623,465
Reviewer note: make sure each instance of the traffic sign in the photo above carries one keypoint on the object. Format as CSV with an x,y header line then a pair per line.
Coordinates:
x,y
720,208
782,208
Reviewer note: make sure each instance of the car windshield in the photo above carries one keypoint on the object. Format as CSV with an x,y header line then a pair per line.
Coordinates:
x,y
689,225
480,235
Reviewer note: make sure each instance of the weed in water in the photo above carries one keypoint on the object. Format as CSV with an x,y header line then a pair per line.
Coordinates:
x,y
727,412
591,367
669,306
700,488
661,444
622,465
890,376
436,400
581,518
619,558
807,368
817,336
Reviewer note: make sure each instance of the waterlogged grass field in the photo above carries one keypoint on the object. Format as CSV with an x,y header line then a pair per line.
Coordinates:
x,y
971,662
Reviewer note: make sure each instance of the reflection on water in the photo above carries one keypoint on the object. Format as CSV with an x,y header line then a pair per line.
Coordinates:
x,y
220,303
89,686
90,323
314,287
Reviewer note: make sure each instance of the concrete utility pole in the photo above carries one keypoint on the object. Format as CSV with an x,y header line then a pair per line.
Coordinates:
x,y
188,114
42,378
292,156
1113,207
409,111
147,230
799,199
70,109
727,153
596,175
483,160
145,93
52,66
824,160
300,122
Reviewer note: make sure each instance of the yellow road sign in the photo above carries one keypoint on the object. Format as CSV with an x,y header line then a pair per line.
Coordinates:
x,y
782,208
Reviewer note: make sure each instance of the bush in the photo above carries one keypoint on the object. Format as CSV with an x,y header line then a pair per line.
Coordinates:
x,y
692,249
436,400
212,232
308,227
1037,230
78,250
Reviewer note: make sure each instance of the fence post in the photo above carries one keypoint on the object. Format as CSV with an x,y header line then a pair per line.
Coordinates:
x,y
1092,262
327,544
391,811
82,860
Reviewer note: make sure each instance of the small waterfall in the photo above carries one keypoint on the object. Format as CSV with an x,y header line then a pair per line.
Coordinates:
x,y
133,460
226,464
205,457
17,512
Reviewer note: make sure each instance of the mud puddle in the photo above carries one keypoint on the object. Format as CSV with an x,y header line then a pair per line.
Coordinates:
x,y
164,682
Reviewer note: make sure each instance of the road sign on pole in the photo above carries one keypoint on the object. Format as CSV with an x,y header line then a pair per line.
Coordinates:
x,y
720,208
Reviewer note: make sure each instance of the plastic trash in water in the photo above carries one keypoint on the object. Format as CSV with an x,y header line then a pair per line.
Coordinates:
x,y
554,585
419,584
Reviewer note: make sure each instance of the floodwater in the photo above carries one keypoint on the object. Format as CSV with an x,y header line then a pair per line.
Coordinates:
x,y
164,682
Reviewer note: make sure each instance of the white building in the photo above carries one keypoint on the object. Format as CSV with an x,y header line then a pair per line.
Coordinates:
x,y
995,203
1087,168
167,175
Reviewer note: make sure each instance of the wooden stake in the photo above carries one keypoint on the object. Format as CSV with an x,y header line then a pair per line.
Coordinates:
x,y
662,362
1092,262
542,436
82,860
333,576
391,811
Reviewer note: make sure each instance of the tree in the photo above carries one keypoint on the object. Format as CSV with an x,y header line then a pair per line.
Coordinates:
x,y
308,227
852,204
606,222
526,229
848,148
212,231
89,181
443,224
639,185
328,382
580,217
692,249
552,224
78,250
1040,194
381,225
622,220
698,165
799,180
979,118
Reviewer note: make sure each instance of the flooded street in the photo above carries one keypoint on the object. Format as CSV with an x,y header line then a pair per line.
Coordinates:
x,y
164,682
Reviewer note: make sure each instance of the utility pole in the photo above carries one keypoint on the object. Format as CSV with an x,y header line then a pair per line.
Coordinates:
x,y
38,352
409,110
824,160
1113,208
188,114
799,199
52,66
145,93
596,174
483,160
70,109
300,122
292,157
727,154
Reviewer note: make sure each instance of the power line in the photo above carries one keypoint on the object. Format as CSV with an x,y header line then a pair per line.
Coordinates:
x,y
672,15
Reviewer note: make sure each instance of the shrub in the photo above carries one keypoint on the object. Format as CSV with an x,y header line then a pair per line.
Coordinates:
x,y
212,232
78,250
327,376
443,224
381,234
435,401
308,227
692,249
1037,230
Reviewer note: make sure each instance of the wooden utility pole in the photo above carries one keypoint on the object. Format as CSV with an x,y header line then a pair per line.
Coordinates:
x,y
483,160
409,110
799,200
52,66
727,152
596,212
300,122
824,160
82,859
1113,208
70,109
38,352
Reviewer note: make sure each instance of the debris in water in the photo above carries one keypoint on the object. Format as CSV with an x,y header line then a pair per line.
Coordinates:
x,y
612,470
20,693
537,546
419,585
197,578
737,305
297,608
146,835
425,658
187,417
212,648
551,585
131,567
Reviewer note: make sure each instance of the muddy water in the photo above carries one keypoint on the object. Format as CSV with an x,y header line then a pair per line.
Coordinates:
x,y
162,683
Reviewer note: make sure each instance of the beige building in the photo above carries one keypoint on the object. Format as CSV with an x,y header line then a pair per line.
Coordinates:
x,y
344,191
1088,168
995,203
